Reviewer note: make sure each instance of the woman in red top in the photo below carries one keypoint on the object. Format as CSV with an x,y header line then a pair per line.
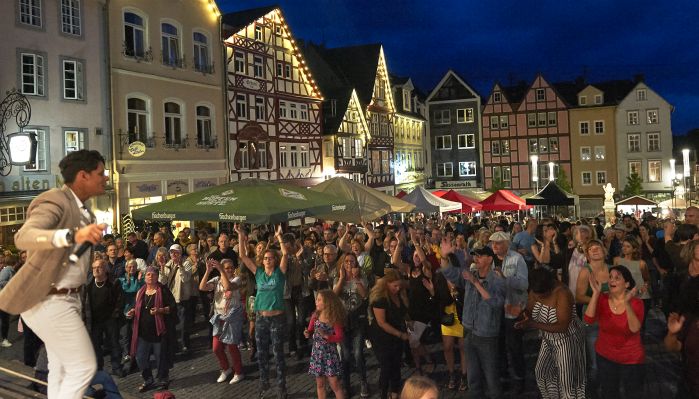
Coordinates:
x,y
620,353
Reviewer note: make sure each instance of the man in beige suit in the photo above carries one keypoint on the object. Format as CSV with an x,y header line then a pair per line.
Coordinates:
x,y
46,290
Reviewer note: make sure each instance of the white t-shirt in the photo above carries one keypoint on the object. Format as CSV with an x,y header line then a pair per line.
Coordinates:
x,y
220,297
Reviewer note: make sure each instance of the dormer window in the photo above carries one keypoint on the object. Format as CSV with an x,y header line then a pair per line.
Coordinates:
x,y
258,33
582,100
406,100
598,99
497,97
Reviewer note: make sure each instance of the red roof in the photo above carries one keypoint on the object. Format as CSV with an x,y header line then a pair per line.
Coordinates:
x,y
504,200
468,205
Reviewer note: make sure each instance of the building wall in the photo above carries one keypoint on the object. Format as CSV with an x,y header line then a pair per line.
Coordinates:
x,y
409,154
380,117
645,155
167,166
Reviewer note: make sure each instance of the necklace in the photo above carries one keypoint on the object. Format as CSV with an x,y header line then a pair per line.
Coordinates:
x,y
149,300
98,285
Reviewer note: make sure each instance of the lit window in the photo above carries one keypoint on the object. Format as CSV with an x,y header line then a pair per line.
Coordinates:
x,y
634,141
467,168
635,168
655,171
600,153
170,45
258,33
585,153
41,146
464,115
652,115
74,140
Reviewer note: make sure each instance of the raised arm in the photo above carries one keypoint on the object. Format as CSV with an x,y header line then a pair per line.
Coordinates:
x,y
243,250
204,284
284,262
371,236
591,311
345,242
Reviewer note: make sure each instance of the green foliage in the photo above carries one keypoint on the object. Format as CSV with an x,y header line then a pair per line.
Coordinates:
x,y
562,181
634,185
496,184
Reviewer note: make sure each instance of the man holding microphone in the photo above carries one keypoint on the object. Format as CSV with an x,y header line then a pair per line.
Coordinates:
x,y
46,291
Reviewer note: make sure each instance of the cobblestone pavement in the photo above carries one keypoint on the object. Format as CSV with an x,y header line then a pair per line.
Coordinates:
x,y
194,375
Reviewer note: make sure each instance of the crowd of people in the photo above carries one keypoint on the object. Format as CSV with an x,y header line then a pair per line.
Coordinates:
x,y
336,293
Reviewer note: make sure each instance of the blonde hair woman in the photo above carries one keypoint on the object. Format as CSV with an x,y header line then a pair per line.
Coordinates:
x,y
419,387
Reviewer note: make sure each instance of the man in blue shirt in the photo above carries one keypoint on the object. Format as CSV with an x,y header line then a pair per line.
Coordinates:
x,y
523,241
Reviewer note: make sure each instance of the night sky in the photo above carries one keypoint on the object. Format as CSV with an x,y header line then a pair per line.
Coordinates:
x,y
510,41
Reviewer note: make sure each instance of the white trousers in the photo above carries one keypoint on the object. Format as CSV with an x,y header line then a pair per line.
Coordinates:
x,y
58,322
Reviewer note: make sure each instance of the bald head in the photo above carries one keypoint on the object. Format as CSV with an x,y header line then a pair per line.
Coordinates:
x,y
691,216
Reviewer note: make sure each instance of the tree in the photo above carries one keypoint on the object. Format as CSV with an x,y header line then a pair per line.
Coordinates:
x,y
496,184
634,185
562,181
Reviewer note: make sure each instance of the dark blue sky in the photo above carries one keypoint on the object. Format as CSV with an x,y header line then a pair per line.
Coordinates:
x,y
508,41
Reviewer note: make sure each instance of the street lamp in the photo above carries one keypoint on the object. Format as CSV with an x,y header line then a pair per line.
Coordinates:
x,y
672,168
535,171
686,171
17,148
551,176
676,182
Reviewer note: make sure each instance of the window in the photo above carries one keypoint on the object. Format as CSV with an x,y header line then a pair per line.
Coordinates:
x,y
74,140
262,154
30,12
467,168
204,136
552,119
70,17
598,99
173,124
258,33
304,156
582,100
293,111
280,69
170,45
600,153
601,177
635,168
497,97
287,71
406,100
599,127
293,152
260,108
585,153
241,106
239,61
655,173
73,82
494,122
33,73
540,95
134,42
634,141
533,146
201,53
641,95
507,176
504,121
40,163
543,145
541,118
283,157
632,117
442,117
257,67
443,142
386,167
553,145
137,120
445,169
531,120
495,147
652,115
243,150
584,127
497,173
303,112
653,142
586,178
464,115
358,148
505,147
466,141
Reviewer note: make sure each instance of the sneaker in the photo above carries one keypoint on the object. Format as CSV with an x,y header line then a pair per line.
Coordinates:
x,y
367,343
236,379
126,359
224,375
364,392
5,343
463,384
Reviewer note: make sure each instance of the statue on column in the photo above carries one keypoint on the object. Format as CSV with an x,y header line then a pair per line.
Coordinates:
x,y
609,206
609,193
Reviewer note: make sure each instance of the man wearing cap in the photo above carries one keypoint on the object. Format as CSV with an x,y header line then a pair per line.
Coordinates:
x,y
484,297
512,267
177,276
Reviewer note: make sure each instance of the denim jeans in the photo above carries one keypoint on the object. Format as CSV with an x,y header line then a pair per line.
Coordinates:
x,y
612,376
482,355
353,352
295,319
515,348
108,329
143,352
271,328
109,387
591,334
184,323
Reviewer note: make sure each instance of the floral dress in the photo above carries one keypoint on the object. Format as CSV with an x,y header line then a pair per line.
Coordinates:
x,y
325,360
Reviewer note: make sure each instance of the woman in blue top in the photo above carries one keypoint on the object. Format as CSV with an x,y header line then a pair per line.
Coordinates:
x,y
131,282
270,322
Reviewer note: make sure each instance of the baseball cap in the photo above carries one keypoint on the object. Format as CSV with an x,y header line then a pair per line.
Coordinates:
x,y
483,251
176,247
499,236
619,226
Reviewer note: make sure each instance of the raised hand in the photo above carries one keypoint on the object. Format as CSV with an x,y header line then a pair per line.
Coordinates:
x,y
468,276
630,294
594,284
675,323
446,247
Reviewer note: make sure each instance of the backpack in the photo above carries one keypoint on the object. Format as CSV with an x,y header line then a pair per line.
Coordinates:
x,y
163,395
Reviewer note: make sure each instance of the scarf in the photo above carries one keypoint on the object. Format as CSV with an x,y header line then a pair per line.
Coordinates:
x,y
159,319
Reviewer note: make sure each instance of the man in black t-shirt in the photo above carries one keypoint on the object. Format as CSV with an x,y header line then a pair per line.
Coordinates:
x,y
224,250
138,248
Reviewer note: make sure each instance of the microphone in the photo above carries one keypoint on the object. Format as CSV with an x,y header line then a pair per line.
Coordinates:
x,y
75,256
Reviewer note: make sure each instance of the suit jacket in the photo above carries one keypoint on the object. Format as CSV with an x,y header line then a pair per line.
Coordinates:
x,y
52,210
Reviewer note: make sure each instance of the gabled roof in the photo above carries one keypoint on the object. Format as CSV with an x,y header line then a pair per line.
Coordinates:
x,y
357,65
637,200
568,91
552,195
235,21
514,94
451,76
398,80
615,90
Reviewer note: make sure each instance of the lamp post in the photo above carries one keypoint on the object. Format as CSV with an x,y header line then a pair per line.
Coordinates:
x,y
551,167
17,148
535,171
686,173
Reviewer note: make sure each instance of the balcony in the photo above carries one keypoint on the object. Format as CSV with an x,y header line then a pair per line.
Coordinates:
x,y
173,62
203,68
138,54
351,165
207,144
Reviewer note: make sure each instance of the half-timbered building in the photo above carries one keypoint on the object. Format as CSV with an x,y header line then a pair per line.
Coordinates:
x,y
274,104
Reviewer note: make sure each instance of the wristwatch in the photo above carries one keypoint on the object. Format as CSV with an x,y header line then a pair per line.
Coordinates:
x,y
70,237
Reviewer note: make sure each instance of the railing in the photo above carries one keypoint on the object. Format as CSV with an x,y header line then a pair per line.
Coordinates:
x,y
173,62
204,69
130,52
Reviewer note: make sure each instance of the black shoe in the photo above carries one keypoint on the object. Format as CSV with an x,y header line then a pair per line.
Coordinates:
x,y
146,386
163,384
264,388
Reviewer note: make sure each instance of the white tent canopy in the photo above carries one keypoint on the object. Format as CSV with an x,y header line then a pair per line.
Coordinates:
x,y
426,202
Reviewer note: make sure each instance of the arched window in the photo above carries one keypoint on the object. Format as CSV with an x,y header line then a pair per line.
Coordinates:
x,y
137,119
134,35
201,53
170,45
173,124
204,132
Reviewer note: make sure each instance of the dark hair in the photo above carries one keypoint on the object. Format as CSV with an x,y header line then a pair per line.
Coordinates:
x,y
539,233
564,226
687,231
71,164
625,274
541,280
